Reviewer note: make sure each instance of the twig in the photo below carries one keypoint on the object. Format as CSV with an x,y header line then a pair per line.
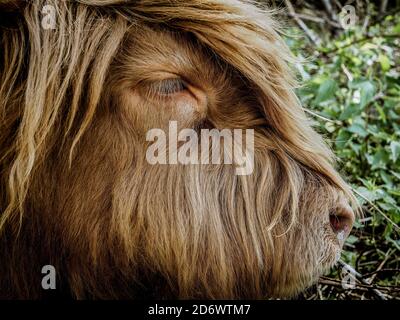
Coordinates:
x,y
387,256
383,15
347,72
321,117
320,296
365,24
315,19
338,4
332,282
330,10
377,209
362,40
301,24
306,17
361,279
369,287
383,6
381,270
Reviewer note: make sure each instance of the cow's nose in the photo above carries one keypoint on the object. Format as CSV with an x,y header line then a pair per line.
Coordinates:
x,y
341,220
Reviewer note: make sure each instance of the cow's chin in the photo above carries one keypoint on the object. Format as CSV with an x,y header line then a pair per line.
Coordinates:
x,y
201,227
306,276
314,251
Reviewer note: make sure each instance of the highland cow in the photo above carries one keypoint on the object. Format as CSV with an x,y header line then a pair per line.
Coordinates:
x,y
77,99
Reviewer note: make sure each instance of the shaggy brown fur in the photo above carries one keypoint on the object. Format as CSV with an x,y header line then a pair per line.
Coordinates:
x,y
76,191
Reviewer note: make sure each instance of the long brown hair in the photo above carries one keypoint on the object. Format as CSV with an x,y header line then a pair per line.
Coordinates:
x,y
52,83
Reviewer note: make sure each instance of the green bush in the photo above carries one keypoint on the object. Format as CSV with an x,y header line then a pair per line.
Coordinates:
x,y
351,88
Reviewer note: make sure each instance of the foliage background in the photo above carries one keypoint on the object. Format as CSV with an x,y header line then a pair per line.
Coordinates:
x,y
350,85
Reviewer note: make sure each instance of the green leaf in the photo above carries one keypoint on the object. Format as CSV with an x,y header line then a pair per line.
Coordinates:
x,y
396,174
342,138
386,178
367,92
349,112
368,194
368,184
394,242
381,158
395,192
392,115
358,129
395,148
330,127
389,199
386,206
352,239
384,61
326,91
382,114
356,147
396,29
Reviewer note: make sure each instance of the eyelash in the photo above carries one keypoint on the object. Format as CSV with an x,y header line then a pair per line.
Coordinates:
x,y
167,87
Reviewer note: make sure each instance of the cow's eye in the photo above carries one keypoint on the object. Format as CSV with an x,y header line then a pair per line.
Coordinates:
x,y
168,87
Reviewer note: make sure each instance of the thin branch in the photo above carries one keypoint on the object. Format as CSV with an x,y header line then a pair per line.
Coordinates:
x,y
329,9
360,278
320,296
362,40
387,256
321,117
306,17
315,19
347,73
301,24
332,282
359,287
377,209
365,25
383,15
367,275
388,288
383,6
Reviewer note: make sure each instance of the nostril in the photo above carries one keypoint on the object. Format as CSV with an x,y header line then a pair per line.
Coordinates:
x,y
337,223
341,220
